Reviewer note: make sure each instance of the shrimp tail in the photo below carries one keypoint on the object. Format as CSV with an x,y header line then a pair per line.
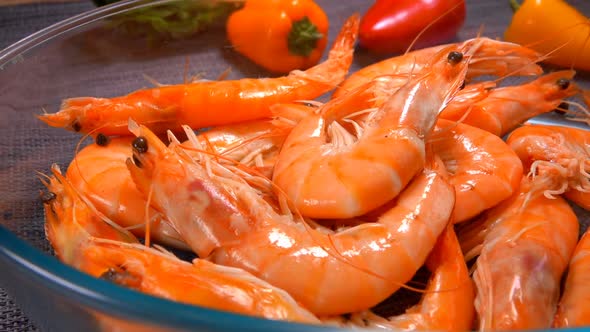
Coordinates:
x,y
339,57
63,119
70,110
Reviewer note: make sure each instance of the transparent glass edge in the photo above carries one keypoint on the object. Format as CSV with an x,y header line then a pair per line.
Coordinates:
x,y
115,300
13,53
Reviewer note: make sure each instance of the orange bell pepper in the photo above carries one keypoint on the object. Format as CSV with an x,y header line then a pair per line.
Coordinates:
x,y
552,27
279,35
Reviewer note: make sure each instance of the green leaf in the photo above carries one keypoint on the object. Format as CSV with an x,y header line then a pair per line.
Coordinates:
x,y
180,19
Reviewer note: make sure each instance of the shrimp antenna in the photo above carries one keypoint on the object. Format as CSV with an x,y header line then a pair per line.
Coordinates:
x,y
79,147
224,74
147,222
560,34
185,70
153,81
433,22
579,108
480,31
578,54
577,105
556,34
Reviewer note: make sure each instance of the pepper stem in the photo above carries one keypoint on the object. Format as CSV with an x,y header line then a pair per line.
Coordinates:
x,y
303,37
514,5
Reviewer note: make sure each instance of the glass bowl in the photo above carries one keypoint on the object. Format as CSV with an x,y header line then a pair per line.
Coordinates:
x,y
83,56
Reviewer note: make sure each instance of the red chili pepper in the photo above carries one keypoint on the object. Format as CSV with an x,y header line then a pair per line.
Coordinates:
x,y
390,26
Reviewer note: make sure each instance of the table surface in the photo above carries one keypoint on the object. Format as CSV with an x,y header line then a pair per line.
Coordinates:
x,y
20,18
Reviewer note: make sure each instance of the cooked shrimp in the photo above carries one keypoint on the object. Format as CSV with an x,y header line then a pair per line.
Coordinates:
x,y
100,173
492,58
82,239
484,170
447,304
70,222
201,283
207,103
507,107
328,172
574,308
530,239
256,143
560,151
242,230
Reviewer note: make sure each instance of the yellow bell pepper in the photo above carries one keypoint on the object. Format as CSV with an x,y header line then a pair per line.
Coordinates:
x,y
554,28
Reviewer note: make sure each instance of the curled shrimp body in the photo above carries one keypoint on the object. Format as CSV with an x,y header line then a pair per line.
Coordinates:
x,y
559,152
483,168
574,306
447,304
506,108
528,243
169,107
328,172
100,173
492,58
378,256
85,240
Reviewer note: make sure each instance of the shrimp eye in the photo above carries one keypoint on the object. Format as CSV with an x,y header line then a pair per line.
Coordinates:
x,y
121,277
47,197
102,140
109,275
455,57
462,86
76,126
563,83
140,144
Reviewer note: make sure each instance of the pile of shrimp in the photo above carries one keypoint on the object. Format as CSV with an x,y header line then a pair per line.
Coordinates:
x,y
316,212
